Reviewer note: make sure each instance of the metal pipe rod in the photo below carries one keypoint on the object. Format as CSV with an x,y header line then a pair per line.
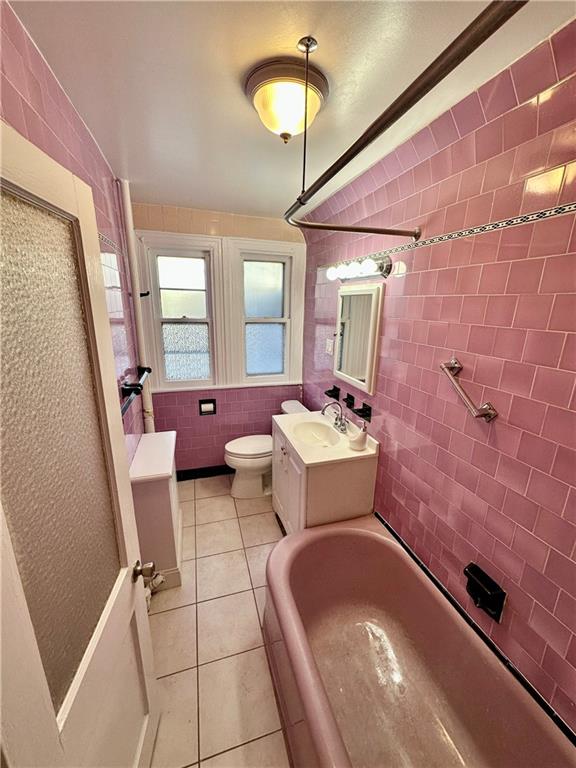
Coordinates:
x,y
485,411
477,32
147,405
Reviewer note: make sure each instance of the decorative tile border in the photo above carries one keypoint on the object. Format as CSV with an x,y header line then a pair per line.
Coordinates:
x,y
515,221
109,243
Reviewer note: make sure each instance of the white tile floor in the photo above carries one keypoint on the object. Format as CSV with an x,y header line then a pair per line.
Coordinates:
x,y
218,706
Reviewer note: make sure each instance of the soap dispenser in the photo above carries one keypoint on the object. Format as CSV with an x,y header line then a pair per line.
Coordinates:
x,y
358,442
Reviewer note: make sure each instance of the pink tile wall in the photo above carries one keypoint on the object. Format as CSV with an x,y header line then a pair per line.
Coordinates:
x,y
201,439
458,489
33,102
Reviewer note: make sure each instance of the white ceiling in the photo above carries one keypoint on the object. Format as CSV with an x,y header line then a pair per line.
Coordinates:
x,y
160,85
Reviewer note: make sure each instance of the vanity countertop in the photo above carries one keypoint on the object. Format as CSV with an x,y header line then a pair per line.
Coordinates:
x,y
313,449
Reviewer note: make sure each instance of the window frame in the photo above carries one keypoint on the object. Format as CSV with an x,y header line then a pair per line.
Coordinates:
x,y
157,244
225,257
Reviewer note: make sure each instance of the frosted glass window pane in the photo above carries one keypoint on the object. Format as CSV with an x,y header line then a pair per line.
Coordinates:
x,y
263,289
181,272
186,351
183,303
264,348
55,487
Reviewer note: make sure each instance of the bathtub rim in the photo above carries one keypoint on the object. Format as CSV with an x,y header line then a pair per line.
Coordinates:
x,y
315,702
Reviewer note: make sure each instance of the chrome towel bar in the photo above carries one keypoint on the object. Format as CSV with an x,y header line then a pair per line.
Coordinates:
x,y
452,368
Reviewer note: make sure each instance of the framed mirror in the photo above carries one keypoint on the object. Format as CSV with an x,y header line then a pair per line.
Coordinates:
x,y
357,335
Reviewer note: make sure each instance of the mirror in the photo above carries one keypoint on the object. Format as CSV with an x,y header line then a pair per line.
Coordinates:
x,y
357,335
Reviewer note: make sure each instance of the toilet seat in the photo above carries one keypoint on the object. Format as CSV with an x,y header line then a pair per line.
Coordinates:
x,y
250,447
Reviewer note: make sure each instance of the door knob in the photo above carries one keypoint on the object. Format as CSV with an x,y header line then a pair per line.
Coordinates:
x,y
147,570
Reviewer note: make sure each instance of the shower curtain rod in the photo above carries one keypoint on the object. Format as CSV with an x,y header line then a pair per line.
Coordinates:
x,y
478,31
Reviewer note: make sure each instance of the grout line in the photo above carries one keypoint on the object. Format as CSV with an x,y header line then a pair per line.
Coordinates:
x,y
197,641
243,744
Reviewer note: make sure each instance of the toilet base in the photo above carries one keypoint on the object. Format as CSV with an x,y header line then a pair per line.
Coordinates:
x,y
251,485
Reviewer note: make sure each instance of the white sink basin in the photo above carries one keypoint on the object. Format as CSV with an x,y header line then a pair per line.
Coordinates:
x,y
316,433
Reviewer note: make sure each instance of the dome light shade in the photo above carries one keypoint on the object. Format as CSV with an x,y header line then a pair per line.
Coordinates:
x,y
276,89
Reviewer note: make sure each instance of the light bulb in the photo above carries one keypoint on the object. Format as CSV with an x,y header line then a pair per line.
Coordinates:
x,y
332,273
368,267
341,271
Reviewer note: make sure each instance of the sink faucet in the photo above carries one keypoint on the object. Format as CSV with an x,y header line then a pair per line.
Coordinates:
x,y
340,421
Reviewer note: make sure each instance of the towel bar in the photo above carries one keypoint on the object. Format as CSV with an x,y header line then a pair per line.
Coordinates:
x,y
452,368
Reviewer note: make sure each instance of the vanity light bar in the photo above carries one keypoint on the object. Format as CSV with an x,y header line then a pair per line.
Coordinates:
x,y
353,270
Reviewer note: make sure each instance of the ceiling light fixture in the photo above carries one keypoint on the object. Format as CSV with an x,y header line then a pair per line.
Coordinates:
x,y
277,89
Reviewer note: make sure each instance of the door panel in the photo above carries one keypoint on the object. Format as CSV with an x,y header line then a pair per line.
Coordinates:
x,y
54,470
78,683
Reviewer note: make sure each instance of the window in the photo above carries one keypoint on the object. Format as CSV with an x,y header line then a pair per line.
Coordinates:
x,y
184,317
222,311
264,317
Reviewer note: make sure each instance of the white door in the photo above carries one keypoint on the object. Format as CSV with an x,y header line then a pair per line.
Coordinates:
x,y
78,684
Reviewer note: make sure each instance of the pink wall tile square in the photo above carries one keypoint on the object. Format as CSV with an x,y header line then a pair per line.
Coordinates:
x,y
499,170
525,276
489,140
563,317
564,467
500,310
494,278
560,426
478,210
542,191
543,348
444,130
473,309
564,48
509,343
497,95
468,114
557,106
530,548
536,452
527,414
561,571
520,124
559,274
481,340
11,107
534,72
507,201
424,143
513,474
553,386
551,494
532,157
520,509
563,143
517,377
568,359
551,236
532,311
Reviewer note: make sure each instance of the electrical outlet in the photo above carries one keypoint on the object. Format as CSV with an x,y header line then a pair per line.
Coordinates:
x,y
329,346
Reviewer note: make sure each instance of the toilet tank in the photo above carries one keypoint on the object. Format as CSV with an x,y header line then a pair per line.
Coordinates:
x,y
293,406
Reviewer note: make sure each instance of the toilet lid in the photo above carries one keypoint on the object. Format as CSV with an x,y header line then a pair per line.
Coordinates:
x,y
251,445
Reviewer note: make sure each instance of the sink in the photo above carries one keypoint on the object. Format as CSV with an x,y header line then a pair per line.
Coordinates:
x,y
316,433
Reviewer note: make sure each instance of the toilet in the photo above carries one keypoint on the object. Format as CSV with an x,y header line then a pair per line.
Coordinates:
x,y
251,457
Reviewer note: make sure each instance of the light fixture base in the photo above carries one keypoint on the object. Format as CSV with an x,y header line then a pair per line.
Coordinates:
x,y
307,43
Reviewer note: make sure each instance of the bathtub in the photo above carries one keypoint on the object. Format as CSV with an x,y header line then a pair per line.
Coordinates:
x,y
373,667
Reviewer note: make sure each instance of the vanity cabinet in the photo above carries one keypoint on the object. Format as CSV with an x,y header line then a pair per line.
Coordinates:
x,y
306,493
288,483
